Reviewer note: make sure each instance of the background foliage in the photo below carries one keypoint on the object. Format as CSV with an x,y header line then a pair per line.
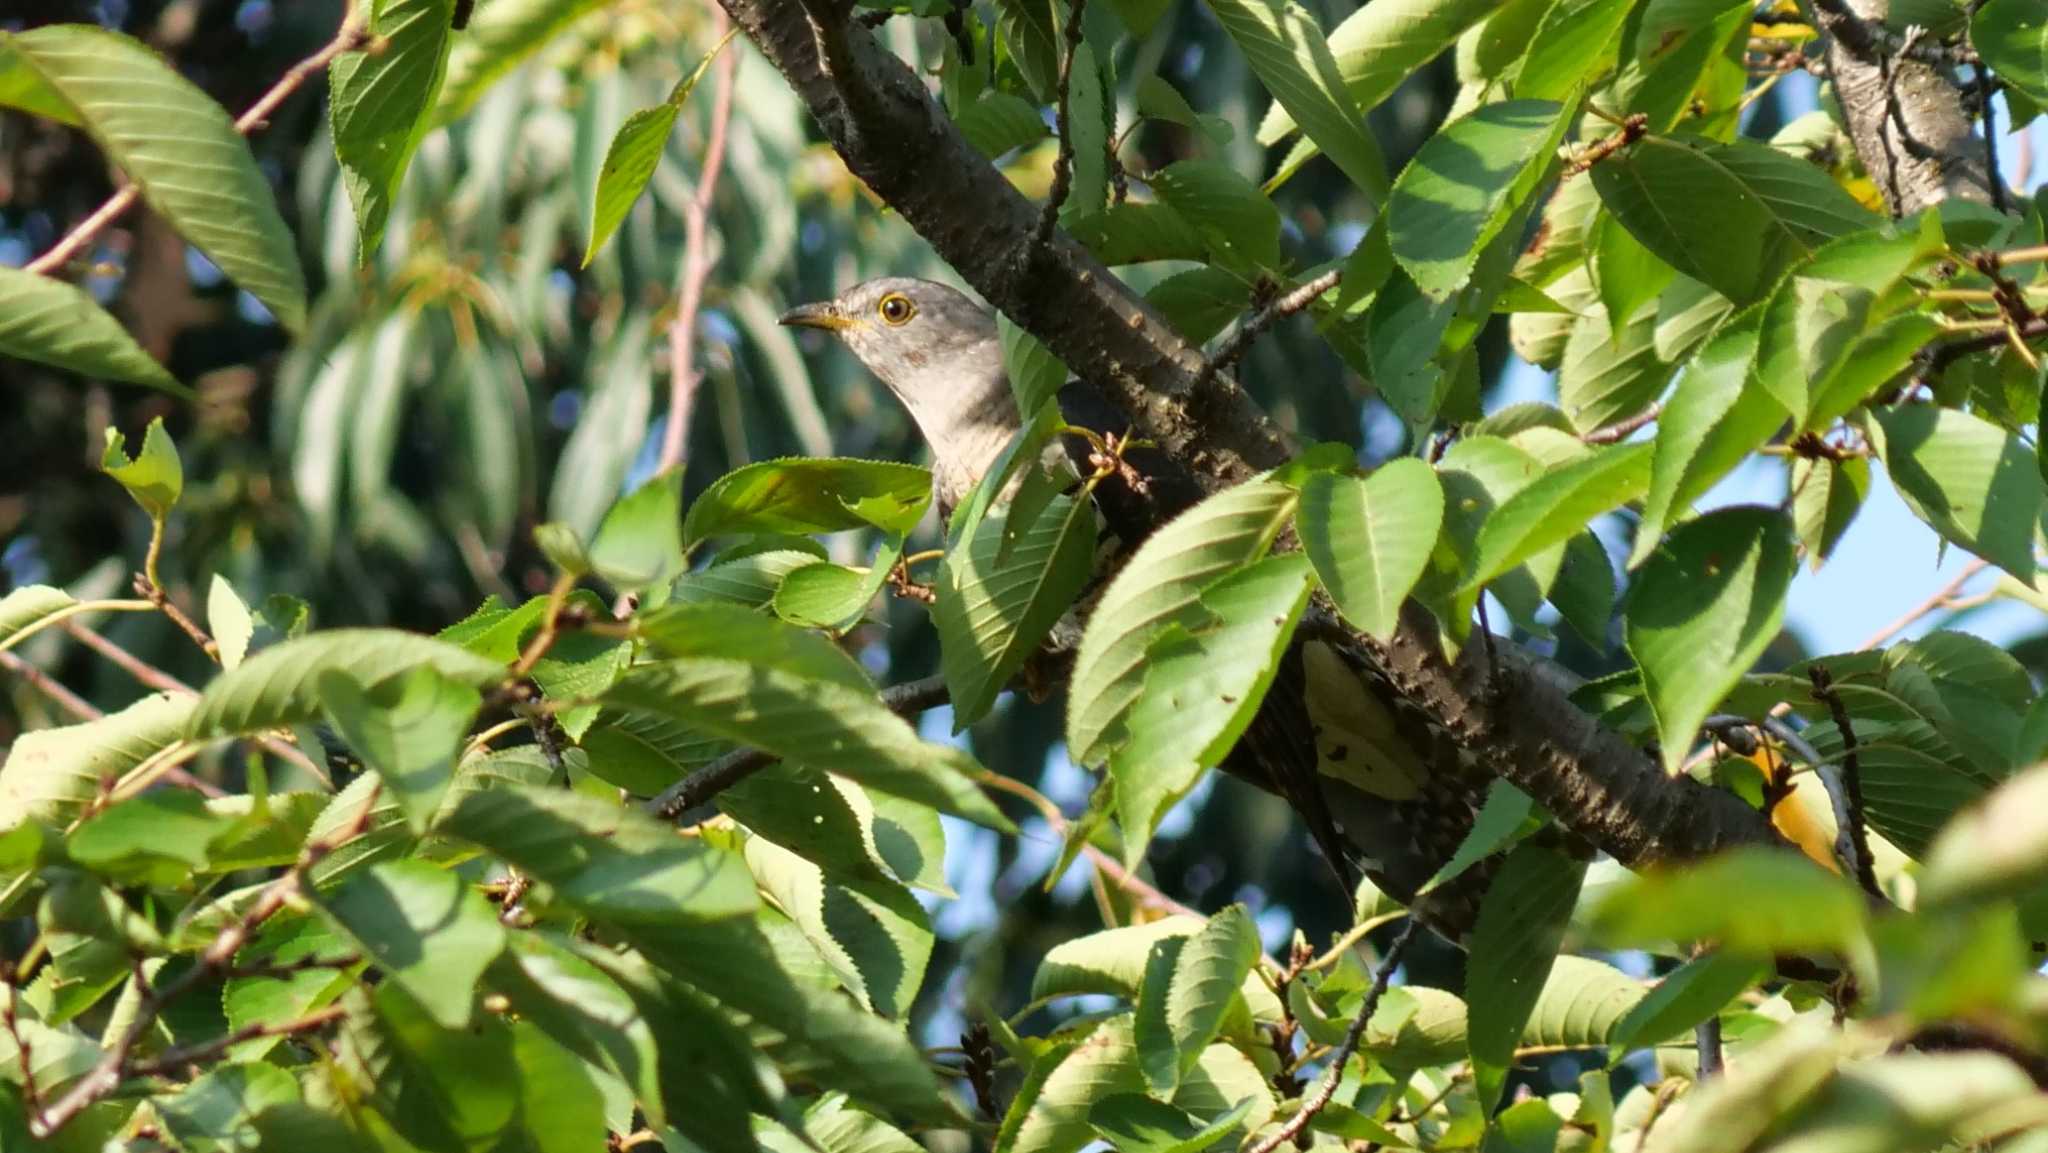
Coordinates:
x,y
413,357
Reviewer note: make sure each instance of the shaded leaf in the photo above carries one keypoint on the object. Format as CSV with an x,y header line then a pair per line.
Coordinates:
x,y
797,495
54,323
154,477
1514,944
280,685
1971,481
424,927
1370,538
378,106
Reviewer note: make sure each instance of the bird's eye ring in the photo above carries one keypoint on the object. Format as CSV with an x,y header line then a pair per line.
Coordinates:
x,y
896,309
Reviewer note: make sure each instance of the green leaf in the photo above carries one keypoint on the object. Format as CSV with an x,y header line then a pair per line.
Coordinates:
x,y
1627,275
1717,415
54,323
1134,1123
841,827
1287,52
1479,474
216,1113
1576,43
1052,1116
717,630
798,495
1521,923
1690,994
1605,377
51,774
1702,611
181,149
1504,814
425,928
1971,481
750,580
634,152
1235,220
1001,592
28,606
1136,232
157,838
1158,100
2012,36
1826,496
1997,847
1755,902
1556,507
606,860
284,995
999,122
501,37
230,620
873,933
1464,186
1189,985
1164,577
823,723
1114,961
829,596
1370,538
1581,1005
409,729
1203,676
1036,375
280,685
378,106
1733,216
587,1012
1381,44
154,477
639,542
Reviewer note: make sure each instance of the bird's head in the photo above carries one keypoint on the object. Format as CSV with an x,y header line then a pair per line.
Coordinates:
x,y
921,338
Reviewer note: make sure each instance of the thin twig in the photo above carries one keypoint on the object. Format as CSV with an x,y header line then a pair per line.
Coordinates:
x,y
1327,1089
10,1014
1623,429
682,330
129,663
738,765
154,593
118,1062
350,37
1063,161
174,1060
1148,895
1852,777
1285,305
1929,605
47,685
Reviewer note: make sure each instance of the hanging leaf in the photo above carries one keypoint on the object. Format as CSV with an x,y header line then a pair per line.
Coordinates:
x,y
1287,52
379,103
634,152
1514,944
1971,481
54,323
1370,538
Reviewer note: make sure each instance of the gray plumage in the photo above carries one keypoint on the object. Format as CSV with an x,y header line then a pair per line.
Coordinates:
x,y
1383,790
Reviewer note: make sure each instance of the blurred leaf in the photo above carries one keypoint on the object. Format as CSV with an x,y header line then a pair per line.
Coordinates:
x,y
1381,44
1158,100
159,838
999,122
409,729
1239,225
1575,44
1134,1123
2013,39
564,549
1036,375
1201,302
154,477
179,146
424,927
1465,185
750,580
1971,481
378,104
1182,1003
281,685
28,605
1501,816
635,151
1135,232
1701,612
1755,902
797,495
1514,944
51,774
872,932
606,860
1556,507
1164,577
285,995
1997,847
1530,1126
639,542
1717,415
54,323
1688,995
216,1112
1203,677
232,624
585,1011
503,34
1734,216
1370,538
610,426
997,603
1287,52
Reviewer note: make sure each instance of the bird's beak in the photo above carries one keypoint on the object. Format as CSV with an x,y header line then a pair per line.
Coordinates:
x,y
824,314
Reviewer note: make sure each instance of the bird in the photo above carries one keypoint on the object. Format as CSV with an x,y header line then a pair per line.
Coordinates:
x,y
1384,791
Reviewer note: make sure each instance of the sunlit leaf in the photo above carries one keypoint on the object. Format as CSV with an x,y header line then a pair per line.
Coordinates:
x,y
1287,52
54,323
378,106
424,927
1465,185
1971,481
1521,924
1370,538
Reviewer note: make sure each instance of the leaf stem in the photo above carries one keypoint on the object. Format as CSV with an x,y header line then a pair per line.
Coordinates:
x,y
72,610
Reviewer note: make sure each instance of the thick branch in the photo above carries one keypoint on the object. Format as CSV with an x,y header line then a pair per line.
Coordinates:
x,y
885,126
1904,114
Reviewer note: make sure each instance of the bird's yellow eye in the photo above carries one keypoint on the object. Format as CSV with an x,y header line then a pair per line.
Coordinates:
x,y
896,309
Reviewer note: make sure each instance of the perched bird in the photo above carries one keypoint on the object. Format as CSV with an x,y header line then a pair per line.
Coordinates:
x,y
1383,790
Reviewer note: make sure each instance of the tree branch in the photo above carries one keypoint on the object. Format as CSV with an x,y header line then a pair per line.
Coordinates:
x,y
682,331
